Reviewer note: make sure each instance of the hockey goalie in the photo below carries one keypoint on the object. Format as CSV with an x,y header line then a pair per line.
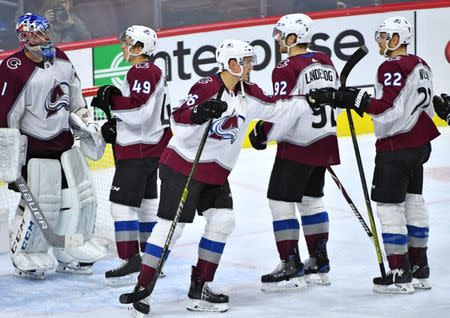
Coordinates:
x,y
41,102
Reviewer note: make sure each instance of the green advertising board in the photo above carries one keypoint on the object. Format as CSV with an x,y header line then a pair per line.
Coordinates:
x,y
109,68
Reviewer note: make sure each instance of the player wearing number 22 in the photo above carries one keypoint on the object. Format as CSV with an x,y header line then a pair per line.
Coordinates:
x,y
402,116
303,154
139,132
231,102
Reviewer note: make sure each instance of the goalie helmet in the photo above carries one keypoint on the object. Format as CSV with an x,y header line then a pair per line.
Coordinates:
x,y
234,49
142,34
297,23
36,35
394,25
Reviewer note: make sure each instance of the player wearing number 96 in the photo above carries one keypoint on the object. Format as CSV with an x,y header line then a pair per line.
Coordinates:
x,y
303,154
402,115
141,110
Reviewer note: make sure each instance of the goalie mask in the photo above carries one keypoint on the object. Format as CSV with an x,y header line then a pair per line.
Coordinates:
x,y
142,35
391,26
234,49
298,24
36,35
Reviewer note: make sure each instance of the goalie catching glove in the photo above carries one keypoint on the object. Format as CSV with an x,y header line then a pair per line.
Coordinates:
x,y
92,144
344,97
257,136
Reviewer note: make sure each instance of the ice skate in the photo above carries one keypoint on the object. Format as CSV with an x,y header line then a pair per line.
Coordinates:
x,y
75,268
421,276
141,308
287,276
317,266
32,274
397,281
126,273
203,298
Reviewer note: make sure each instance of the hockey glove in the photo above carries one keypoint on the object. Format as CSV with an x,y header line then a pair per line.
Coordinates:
x,y
109,131
319,97
103,98
258,137
442,107
210,109
352,98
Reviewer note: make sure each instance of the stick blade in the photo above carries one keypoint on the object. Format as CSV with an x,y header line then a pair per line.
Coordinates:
x,y
351,63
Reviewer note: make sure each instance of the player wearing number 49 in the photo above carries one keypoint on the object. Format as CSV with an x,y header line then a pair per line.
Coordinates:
x,y
140,131
40,94
303,154
402,115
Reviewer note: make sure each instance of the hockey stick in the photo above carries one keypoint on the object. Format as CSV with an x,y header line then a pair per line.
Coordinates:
x,y
134,297
350,202
53,239
354,59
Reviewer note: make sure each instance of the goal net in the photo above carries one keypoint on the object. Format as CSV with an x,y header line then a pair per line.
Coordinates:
x,y
102,172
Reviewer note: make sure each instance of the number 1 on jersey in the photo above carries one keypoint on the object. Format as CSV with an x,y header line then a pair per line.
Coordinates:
x,y
5,84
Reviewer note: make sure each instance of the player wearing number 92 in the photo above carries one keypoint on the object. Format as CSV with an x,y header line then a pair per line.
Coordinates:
x,y
303,154
141,109
402,115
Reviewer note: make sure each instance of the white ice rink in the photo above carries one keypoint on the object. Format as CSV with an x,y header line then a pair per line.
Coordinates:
x,y
251,252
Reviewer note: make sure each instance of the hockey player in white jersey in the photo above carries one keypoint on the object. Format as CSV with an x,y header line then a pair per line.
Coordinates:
x,y
303,154
41,96
141,109
402,115
232,102
442,107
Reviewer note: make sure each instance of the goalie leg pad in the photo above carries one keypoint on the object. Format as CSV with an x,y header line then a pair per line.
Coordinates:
x,y
29,247
81,215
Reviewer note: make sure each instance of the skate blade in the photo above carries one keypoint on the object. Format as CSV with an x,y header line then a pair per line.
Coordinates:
x,y
32,276
204,306
423,284
73,271
137,314
122,281
318,279
407,288
293,284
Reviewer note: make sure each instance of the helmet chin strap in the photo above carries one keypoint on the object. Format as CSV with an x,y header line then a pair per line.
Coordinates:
x,y
288,46
130,54
240,78
390,49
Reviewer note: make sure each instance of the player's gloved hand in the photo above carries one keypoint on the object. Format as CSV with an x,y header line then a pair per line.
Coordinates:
x,y
319,97
442,107
109,131
104,96
352,98
210,109
258,137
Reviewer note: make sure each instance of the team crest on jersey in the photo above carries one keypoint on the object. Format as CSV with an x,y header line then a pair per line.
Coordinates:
x,y
57,98
283,63
13,63
227,128
205,80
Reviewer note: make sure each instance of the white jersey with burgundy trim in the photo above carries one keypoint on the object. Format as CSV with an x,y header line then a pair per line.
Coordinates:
x,y
402,111
225,138
312,140
143,113
37,98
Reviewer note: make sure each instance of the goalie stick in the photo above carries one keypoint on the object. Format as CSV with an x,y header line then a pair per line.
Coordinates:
x,y
53,239
352,61
134,297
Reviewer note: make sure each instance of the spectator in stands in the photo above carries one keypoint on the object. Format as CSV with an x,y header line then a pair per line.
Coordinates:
x,y
66,25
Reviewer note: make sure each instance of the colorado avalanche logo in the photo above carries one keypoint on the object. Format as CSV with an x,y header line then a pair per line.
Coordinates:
x,y
227,128
283,63
57,98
